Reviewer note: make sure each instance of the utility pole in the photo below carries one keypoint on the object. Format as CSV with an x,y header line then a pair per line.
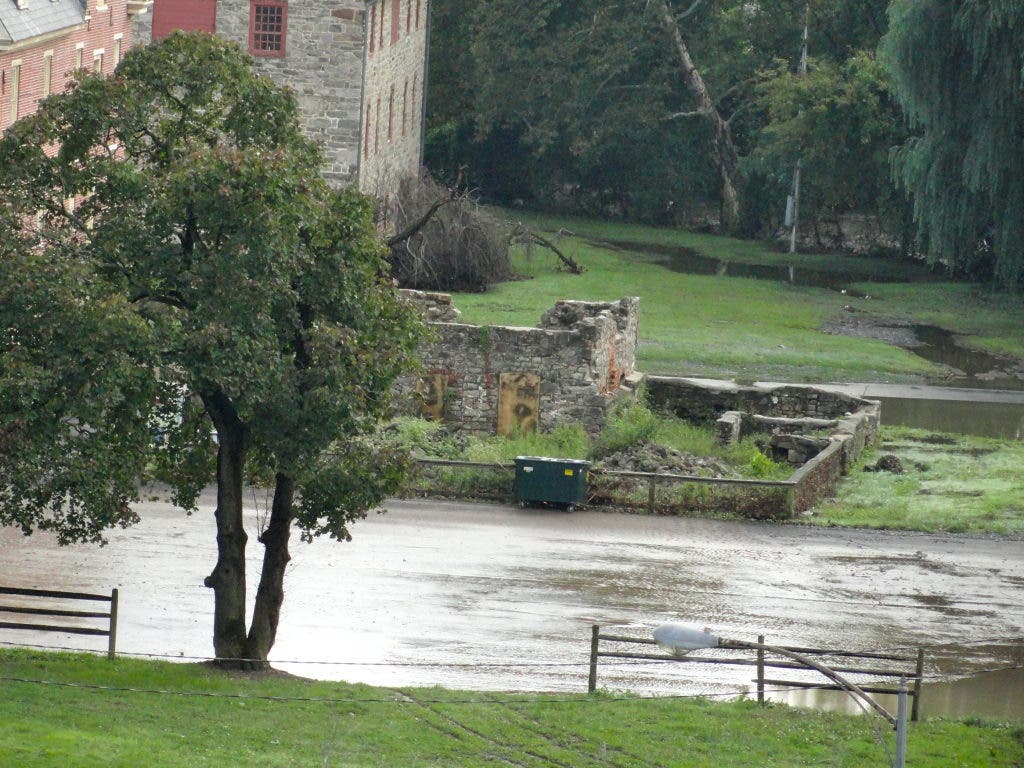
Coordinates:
x,y
793,203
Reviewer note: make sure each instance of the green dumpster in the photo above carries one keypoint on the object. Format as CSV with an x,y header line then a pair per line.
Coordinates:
x,y
551,481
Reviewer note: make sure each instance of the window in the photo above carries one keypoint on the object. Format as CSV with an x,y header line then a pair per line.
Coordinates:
x,y
267,28
415,79
376,129
373,28
366,132
78,55
15,88
396,20
47,72
97,61
391,114
117,50
405,100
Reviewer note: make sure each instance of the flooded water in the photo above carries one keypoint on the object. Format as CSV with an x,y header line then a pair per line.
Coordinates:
x,y
489,597
968,367
967,417
692,262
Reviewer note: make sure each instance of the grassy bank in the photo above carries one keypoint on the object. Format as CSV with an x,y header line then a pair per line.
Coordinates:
x,y
954,483
337,724
758,329
949,483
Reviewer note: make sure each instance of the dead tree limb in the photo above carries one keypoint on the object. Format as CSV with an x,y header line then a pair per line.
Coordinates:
x,y
420,223
523,234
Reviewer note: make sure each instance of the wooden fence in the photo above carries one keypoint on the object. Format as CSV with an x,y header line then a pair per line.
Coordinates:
x,y
52,603
843,662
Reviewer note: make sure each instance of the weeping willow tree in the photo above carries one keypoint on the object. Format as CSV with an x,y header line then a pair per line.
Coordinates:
x,y
958,71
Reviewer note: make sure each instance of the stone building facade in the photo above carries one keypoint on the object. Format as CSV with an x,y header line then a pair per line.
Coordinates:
x,y
489,379
42,42
357,67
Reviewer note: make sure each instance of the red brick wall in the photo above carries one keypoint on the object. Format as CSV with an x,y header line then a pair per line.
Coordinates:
x,y
187,15
100,32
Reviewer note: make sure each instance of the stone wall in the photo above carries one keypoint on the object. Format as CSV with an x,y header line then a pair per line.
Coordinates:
x,y
393,96
819,477
361,100
323,65
702,403
852,423
578,357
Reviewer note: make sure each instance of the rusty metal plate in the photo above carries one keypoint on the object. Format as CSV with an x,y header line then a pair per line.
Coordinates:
x,y
518,403
430,391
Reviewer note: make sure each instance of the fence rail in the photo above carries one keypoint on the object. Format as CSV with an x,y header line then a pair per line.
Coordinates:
x,y
653,478
902,666
52,603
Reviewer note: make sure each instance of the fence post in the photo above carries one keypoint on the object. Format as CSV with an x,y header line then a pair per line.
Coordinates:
x,y
651,484
760,670
595,630
918,679
112,637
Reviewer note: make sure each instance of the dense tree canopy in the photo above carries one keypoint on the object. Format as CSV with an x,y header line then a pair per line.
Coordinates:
x,y
172,263
958,71
588,106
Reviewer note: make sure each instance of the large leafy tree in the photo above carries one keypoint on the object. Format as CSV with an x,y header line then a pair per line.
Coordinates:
x,y
958,71
645,107
171,262
840,122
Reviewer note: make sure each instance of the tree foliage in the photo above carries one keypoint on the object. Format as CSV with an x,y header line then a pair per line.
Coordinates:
x,y
173,261
586,105
958,71
840,122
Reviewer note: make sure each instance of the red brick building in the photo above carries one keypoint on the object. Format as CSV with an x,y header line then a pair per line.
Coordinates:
x,y
43,41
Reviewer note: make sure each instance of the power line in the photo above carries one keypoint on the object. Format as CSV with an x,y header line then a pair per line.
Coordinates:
x,y
474,665
579,699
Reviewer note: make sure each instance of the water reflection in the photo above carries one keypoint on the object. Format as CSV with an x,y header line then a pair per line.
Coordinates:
x,y
994,695
987,419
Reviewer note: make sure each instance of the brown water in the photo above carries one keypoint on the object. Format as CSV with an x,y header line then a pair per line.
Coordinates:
x,y
490,597
692,262
987,419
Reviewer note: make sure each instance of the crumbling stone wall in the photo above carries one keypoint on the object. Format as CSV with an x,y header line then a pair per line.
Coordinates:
x,y
581,354
852,423
702,403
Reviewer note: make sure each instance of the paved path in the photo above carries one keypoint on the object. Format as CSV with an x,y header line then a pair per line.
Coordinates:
x,y
901,391
434,592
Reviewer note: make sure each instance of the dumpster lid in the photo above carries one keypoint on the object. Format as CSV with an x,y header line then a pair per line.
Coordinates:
x,y
578,462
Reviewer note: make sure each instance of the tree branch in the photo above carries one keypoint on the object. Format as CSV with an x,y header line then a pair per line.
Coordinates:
x,y
421,222
521,234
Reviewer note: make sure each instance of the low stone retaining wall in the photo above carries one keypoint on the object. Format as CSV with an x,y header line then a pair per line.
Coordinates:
x,y
702,403
738,411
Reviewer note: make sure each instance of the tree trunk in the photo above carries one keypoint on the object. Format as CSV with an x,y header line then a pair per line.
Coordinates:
x,y
723,154
270,593
228,577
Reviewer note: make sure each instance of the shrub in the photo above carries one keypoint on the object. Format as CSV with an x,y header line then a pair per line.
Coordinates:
x,y
629,423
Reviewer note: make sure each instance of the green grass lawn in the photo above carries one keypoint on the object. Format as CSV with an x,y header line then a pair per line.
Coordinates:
x,y
747,328
338,724
951,483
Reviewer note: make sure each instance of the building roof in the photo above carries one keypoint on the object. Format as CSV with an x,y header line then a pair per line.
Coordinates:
x,y
36,18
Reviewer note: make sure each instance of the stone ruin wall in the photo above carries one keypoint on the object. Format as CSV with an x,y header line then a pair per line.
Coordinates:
x,y
580,353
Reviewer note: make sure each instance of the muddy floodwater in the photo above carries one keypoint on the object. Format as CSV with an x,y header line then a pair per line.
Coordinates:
x,y
497,598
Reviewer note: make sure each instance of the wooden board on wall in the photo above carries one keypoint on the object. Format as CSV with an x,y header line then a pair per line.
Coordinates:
x,y
430,390
518,402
